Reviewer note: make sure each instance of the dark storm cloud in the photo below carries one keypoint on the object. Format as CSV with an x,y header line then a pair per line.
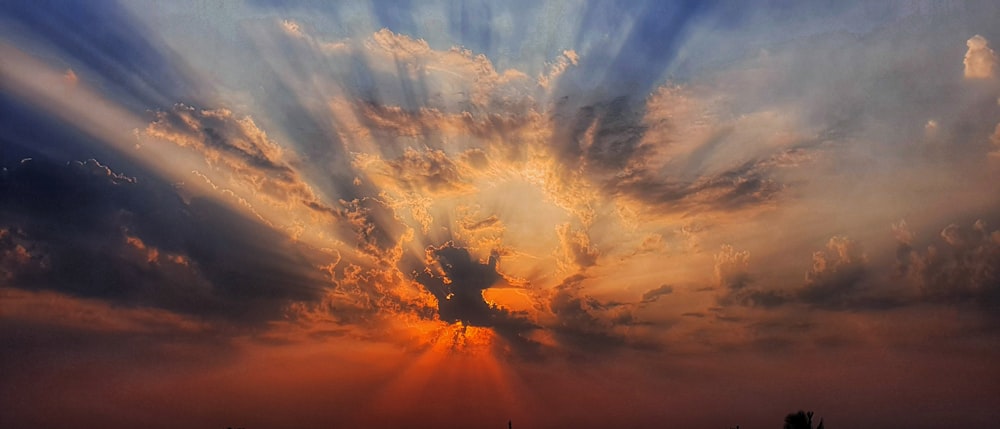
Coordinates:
x,y
81,229
104,42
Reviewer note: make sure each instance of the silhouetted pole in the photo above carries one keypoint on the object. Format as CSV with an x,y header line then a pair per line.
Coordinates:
x,y
508,424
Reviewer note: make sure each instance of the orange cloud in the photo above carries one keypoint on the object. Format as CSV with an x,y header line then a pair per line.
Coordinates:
x,y
980,60
93,315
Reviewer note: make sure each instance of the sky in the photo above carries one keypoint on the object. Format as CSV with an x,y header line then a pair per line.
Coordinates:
x,y
455,214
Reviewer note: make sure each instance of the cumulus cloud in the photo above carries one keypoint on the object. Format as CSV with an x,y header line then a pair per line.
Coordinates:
x,y
980,60
962,269
731,268
735,283
838,276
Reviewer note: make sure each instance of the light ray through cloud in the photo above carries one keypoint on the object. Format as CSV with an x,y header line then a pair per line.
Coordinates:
x,y
394,213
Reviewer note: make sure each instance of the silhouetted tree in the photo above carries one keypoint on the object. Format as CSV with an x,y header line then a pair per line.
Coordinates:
x,y
801,420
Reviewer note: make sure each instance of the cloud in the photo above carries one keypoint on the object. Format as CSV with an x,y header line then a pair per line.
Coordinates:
x,y
962,269
376,229
488,222
653,295
83,230
239,149
731,268
19,256
841,278
93,315
576,247
602,136
407,72
584,322
429,171
682,152
558,67
904,246
734,281
457,281
980,60
995,139
837,272
70,78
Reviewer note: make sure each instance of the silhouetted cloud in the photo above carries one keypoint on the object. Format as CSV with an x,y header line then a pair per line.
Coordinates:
x,y
457,281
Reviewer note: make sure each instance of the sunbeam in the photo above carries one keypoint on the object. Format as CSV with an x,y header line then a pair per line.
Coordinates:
x,y
390,213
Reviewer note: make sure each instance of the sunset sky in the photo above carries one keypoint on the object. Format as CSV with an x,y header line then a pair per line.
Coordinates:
x,y
450,214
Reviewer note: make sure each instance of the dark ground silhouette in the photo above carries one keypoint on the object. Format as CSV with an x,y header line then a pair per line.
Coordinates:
x,y
799,420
